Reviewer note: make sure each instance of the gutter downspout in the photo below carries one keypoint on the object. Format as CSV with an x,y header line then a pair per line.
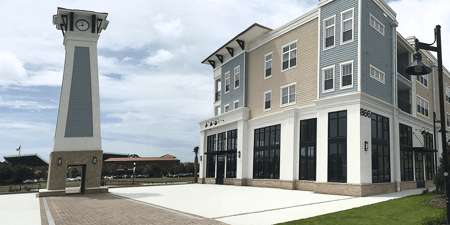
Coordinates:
x,y
396,143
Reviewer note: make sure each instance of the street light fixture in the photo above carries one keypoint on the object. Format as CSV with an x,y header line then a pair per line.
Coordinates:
x,y
419,68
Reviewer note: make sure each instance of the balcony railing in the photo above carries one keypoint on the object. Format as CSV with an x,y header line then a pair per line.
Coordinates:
x,y
217,96
404,106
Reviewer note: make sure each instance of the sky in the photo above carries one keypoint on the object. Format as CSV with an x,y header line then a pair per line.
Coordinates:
x,y
153,88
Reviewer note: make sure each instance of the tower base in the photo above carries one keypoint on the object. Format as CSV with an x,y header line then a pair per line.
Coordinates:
x,y
60,161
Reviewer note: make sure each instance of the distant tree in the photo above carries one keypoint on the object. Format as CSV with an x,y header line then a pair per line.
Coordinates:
x,y
196,164
139,170
112,169
22,173
6,173
438,179
157,170
74,172
164,171
44,171
105,169
148,170
173,170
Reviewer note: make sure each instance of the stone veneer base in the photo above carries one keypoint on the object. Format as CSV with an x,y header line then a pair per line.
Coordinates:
x,y
357,190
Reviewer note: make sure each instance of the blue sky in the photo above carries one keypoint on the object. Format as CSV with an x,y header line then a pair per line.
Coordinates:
x,y
153,89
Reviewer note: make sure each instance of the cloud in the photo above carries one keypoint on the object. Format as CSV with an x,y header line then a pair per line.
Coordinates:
x,y
159,57
11,69
166,27
25,105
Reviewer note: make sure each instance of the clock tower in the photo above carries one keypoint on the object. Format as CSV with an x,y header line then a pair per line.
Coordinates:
x,y
77,141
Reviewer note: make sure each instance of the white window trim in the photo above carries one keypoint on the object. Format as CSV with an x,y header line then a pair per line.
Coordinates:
x,y
384,28
239,66
271,101
234,104
323,78
265,61
296,57
428,107
353,74
228,72
281,95
342,26
225,106
324,35
382,81
417,79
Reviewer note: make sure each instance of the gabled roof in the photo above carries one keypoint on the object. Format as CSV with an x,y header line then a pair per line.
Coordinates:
x,y
247,35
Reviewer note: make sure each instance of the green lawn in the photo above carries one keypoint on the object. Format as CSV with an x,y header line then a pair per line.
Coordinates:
x,y
407,210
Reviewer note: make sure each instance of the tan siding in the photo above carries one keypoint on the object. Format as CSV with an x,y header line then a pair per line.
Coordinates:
x,y
305,74
426,93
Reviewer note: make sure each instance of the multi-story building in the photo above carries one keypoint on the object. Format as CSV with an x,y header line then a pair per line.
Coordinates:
x,y
125,165
323,104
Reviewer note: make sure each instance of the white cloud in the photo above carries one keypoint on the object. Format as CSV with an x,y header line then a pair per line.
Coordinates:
x,y
166,27
159,57
25,105
11,69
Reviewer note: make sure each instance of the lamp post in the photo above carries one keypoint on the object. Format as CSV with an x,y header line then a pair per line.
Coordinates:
x,y
134,171
419,68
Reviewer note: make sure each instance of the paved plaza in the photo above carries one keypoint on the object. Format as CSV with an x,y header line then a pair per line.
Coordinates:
x,y
180,204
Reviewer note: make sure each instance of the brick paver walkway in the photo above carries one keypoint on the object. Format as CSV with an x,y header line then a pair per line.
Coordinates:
x,y
110,209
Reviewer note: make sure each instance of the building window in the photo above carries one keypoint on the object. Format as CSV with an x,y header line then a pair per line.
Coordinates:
x,y
376,74
422,106
227,108
267,100
447,93
289,59
211,159
268,65
211,166
227,82
347,26
406,157
237,76
328,79
130,167
428,141
120,167
329,32
448,120
376,24
266,161
423,79
231,157
429,165
337,147
288,95
347,75
221,141
236,104
307,170
380,149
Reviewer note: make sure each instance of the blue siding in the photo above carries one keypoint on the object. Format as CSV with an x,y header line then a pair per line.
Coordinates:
x,y
79,115
340,53
233,94
376,50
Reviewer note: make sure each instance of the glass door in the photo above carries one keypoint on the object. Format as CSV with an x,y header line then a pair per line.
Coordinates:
x,y
419,170
220,169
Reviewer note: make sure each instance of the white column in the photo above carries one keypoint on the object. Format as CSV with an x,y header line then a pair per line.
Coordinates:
x,y
288,134
201,150
358,131
242,167
396,149
322,146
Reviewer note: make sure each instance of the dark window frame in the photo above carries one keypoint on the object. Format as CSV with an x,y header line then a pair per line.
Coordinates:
x,y
266,157
337,162
406,156
308,150
381,155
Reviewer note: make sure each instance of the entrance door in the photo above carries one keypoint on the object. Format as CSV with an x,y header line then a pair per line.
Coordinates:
x,y
419,170
220,169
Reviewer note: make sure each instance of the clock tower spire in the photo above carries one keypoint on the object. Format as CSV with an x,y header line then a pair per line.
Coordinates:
x,y
77,142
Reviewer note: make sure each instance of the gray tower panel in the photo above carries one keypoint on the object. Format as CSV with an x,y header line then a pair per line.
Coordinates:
x,y
79,116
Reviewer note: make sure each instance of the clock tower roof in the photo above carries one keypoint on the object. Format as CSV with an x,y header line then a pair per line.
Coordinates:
x,y
65,19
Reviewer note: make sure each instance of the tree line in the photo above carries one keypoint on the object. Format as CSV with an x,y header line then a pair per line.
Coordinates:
x,y
17,174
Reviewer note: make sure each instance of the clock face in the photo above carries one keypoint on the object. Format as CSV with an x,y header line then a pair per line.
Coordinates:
x,y
82,25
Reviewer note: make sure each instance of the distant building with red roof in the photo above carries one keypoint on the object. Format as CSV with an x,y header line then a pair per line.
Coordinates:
x,y
126,164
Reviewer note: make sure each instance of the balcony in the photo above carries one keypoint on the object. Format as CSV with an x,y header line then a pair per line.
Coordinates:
x,y
217,96
404,106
